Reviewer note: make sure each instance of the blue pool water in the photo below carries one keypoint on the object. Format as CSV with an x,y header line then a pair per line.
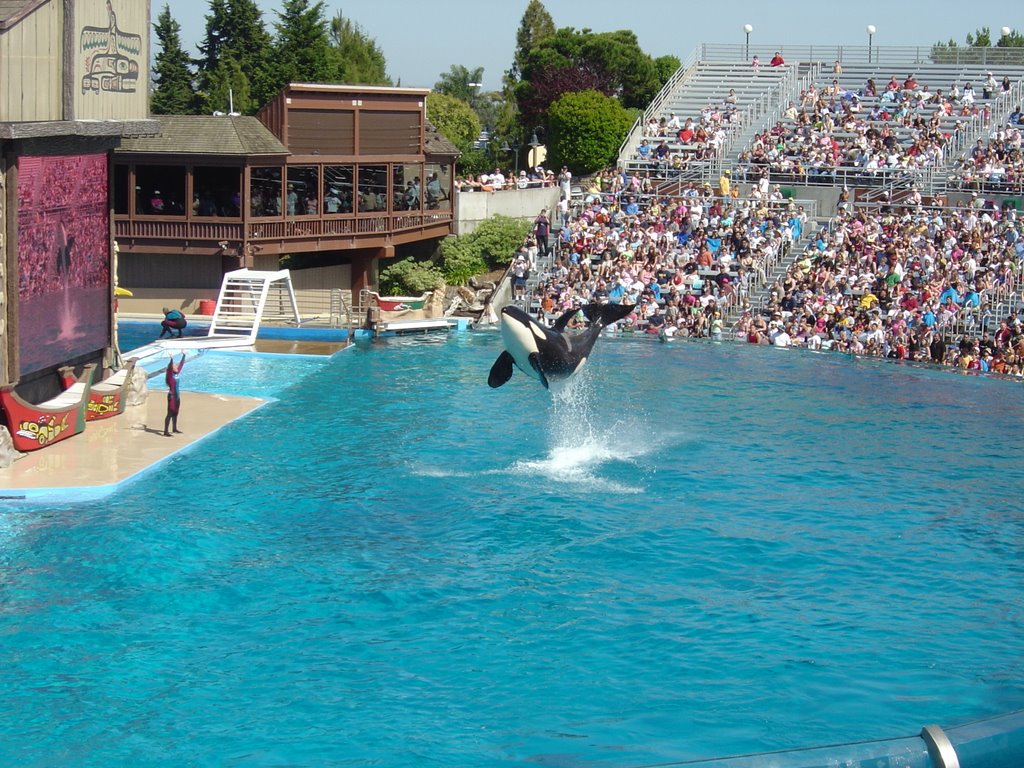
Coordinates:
x,y
243,373
132,334
700,550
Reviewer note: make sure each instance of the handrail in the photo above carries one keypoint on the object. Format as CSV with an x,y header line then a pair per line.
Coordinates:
x,y
876,55
684,70
1001,105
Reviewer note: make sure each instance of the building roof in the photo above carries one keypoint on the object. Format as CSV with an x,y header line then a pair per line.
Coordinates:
x,y
206,135
435,142
387,90
12,11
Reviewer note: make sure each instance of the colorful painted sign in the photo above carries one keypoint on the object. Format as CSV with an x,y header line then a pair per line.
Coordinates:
x,y
63,259
111,57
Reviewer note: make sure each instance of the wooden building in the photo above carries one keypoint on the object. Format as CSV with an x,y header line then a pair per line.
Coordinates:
x,y
73,83
343,175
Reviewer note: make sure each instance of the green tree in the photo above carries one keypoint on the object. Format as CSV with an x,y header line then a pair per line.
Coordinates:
x,y
1013,40
535,26
228,88
458,82
454,118
173,92
461,82
360,60
666,66
979,49
573,61
586,130
217,35
235,28
302,50
982,38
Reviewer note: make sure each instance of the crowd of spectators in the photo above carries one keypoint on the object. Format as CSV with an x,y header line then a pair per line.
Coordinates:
x,y
996,165
63,224
682,261
904,281
896,130
673,144
499,180
901,282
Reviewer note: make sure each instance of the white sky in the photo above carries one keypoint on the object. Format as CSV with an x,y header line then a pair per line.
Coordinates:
x,y
420,40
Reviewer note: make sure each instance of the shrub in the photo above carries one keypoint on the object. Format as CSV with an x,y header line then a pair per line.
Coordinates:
x,y
490,246
460,260
409,278
498,238
586,130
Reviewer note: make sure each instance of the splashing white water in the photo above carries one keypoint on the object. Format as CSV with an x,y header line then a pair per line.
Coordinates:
x,y
582,445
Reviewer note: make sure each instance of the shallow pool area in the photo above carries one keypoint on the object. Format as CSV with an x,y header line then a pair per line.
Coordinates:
x,y
697,550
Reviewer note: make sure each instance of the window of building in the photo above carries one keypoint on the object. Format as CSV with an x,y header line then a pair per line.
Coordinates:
x,y
160,190
216,191
122,189
265,192
303,197
338,189
373,188
437,187
407,187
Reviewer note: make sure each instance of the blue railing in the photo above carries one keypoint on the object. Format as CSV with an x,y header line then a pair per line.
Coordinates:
x,y
996,742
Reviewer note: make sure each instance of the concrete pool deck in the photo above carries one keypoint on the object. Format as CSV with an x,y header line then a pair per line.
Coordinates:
x,y
111,451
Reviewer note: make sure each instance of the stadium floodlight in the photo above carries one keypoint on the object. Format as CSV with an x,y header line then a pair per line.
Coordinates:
x,y
747,28
871,34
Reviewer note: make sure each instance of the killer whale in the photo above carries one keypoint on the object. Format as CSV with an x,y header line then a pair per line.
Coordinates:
x,y
549,354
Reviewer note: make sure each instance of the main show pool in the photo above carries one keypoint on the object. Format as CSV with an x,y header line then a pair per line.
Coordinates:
x,y
699,550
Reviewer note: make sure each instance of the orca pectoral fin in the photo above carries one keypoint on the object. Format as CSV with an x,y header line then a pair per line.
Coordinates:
x,y
535,364
501,371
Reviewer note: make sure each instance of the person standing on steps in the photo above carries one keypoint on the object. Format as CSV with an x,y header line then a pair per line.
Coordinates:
x,y
171,376
542,228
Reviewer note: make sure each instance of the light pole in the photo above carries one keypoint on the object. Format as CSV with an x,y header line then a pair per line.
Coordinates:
x,y
747,29
871,35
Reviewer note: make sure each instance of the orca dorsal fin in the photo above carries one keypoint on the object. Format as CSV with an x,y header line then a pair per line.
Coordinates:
x,y
501,371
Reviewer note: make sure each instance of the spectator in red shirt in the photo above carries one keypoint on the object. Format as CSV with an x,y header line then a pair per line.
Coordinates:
x,y
777,60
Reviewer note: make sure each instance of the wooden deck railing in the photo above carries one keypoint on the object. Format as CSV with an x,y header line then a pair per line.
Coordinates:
x,y
257,230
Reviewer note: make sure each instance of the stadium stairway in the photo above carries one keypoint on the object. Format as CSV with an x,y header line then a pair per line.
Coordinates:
x,y
700,84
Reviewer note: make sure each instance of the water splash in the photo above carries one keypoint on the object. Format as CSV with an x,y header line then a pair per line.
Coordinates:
x,y
68,327
585,449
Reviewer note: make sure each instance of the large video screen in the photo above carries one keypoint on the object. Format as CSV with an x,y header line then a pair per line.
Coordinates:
x,y
63,259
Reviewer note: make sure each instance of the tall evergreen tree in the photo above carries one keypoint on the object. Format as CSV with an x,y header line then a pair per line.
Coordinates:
x,y
536,25
229,89
359,59
217,34
302,51
173,92
234,28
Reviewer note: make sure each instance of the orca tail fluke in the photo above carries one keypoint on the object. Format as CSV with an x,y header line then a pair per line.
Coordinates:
x,y
606,314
